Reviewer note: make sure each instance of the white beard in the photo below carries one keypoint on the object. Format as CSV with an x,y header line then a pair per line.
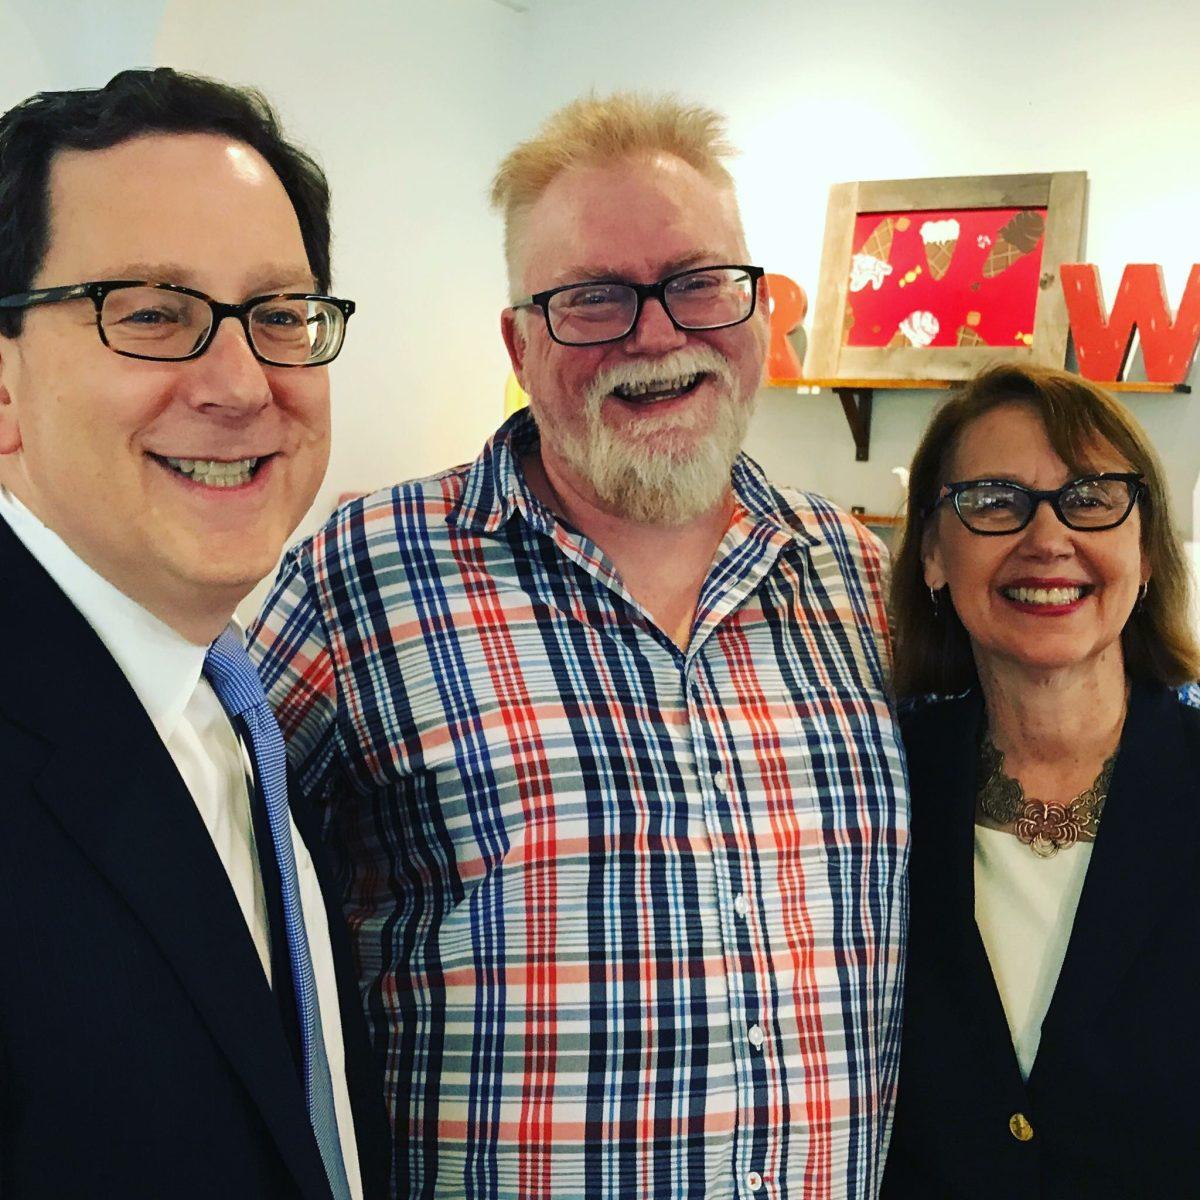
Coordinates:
x,y
643,473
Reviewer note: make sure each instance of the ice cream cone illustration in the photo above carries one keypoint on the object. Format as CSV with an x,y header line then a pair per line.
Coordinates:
x,y
879,244
919,328
1015,239
940,238
869,268
968,337
898,339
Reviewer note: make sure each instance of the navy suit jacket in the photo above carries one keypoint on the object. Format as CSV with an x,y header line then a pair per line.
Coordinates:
x,y
141,1050
1114,1093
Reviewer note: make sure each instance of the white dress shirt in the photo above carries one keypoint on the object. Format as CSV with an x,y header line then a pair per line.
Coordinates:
x,y
164,670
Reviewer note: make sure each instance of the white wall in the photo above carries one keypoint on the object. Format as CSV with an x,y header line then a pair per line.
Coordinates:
x,y
72,43
408,107
821,93
411,104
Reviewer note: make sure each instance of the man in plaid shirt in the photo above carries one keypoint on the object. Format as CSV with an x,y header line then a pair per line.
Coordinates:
x,y
599,727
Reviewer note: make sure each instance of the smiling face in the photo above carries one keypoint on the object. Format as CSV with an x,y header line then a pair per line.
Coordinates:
x,y
1047,598
647,426
176,481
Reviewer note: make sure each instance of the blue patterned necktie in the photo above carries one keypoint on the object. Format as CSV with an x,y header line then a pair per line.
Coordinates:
x,y
228,668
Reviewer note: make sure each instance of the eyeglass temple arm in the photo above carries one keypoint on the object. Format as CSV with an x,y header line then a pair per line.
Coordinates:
x,y
45,296
942,495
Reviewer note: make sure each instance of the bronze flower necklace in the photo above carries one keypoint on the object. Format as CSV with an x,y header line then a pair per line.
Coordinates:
x,y
1044,828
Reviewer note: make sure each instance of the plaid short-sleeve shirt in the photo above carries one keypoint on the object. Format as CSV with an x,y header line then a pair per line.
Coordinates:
x,y
629,918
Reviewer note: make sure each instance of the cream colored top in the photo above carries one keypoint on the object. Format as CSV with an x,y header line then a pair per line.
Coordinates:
x,y
1025,908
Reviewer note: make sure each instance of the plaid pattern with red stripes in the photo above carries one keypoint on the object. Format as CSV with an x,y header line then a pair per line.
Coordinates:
x,y
629,918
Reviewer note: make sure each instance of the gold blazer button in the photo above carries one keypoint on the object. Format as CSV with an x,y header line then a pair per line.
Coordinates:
x,y
1020,1128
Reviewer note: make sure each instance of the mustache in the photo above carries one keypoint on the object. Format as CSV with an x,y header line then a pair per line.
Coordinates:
x,y
688,360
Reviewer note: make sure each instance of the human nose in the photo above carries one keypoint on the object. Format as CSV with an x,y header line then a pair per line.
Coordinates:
x,y
1046,536
654,331
227,376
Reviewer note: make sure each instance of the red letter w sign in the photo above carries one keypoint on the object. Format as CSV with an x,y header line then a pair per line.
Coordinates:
x,y
1102,344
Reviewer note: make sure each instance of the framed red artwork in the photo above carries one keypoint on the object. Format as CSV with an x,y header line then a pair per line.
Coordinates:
x,y
934,278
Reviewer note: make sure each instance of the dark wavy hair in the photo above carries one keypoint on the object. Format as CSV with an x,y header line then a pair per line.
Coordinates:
x,y
933,651
130,104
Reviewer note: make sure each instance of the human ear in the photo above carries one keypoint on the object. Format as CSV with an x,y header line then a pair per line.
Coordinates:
x,y
10,426
514,343
764,296
931,560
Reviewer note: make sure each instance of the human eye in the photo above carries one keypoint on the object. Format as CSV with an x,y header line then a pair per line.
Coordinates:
x,y
284,322
286,315
592,295
150,313
698,283
1093,495
990,499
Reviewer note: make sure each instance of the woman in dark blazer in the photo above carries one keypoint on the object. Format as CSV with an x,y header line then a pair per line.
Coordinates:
x,y
1051,1044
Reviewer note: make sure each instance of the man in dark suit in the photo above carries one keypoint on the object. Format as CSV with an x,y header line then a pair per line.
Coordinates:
x,y
178,1015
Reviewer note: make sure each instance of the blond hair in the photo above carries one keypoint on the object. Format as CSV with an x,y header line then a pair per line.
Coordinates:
x,y
594,131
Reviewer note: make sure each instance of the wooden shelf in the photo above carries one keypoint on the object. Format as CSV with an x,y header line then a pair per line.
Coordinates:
x,y
1144,385
911,385
939,385
858,397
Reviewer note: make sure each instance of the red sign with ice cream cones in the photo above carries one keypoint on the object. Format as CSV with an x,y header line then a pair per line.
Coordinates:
x,y
952,277
934,278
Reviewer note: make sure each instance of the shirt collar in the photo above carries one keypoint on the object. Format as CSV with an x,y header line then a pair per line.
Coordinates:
x,y
162,666
496,487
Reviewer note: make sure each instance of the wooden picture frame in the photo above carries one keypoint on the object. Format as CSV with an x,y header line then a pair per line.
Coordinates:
x,y
1062,195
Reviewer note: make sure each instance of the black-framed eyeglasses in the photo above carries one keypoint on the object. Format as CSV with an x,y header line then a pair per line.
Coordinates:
x,y
606,310
998,506
166,322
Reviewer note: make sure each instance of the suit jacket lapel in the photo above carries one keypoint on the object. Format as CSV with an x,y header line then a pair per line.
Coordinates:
x,y
1145,851
943,786
364,1078
115,791
944,763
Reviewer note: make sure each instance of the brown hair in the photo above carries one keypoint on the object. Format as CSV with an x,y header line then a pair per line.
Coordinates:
x,y
933,651
594,131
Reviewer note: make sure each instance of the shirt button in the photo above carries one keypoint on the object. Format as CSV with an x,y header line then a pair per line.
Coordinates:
x,y
741,905
754,1181
757,1037
719,782
1020,1128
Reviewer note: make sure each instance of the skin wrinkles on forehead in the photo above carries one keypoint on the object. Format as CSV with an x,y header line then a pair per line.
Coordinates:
x,y
591,274
268,277
520,222
1093,456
